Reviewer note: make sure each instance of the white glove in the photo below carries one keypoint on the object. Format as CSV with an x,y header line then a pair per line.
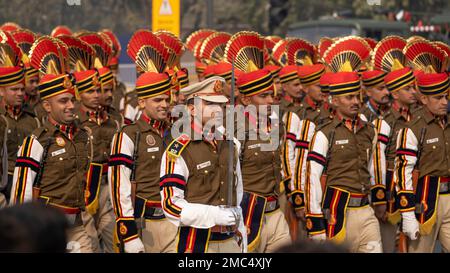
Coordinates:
x,y
134,246
318,238
226,216
410,226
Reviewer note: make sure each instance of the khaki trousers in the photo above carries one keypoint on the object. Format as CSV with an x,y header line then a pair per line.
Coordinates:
x,y
440,231
225,246
362,231
159,236
274,233
78,240
100,226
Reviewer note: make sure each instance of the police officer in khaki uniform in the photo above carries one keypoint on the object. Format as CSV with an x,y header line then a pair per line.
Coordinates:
x,y
266,159
52,163
136,154
391,77
106,99
422,164
195,178
18,121
344,147
93,118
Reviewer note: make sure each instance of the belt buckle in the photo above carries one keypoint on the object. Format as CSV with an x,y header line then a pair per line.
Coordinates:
x,y
227,229
158,212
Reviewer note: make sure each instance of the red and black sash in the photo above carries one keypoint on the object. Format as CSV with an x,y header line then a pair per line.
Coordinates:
x,y
427,193
253,207
193,240
93,181
335,206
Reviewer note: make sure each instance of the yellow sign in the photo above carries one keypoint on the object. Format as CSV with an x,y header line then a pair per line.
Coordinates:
x,y
166,16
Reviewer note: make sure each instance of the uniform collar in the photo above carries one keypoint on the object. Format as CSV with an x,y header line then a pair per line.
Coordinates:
x,y
310,103
98,117
429,117
68,130
13,112
352,125
404,112
376,108
155,125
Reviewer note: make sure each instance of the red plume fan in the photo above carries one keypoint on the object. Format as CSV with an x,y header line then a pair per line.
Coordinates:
x,y
60,30
299,52
371,42
247,50
175,46
24,39
81,54
148,51
271,41
9,51
116,47
347,54
46,55
388,54
425,56
279,52
102,49
213,48
323,45
10,27
195,37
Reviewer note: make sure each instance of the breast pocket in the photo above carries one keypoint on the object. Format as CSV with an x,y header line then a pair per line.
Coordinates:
x,y
58,162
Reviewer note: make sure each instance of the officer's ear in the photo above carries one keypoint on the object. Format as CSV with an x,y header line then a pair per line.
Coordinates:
x,y
334,100
423,99
141,103
46,105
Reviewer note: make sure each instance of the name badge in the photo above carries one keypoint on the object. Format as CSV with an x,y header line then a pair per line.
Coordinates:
x,y
58,152
152,150
203,165
340,142
432,140
254,146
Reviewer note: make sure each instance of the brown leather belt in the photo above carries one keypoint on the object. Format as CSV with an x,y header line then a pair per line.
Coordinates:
x,y
223,229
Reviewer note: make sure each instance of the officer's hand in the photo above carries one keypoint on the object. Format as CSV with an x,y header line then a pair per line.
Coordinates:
x,y
226,216
134,246
318,237
410,226
300,214
380,212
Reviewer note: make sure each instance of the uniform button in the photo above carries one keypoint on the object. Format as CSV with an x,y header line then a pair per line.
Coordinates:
x,y
60,158
153,157
206,171
223,200
256,153
434,147
342,147
221,182
318,110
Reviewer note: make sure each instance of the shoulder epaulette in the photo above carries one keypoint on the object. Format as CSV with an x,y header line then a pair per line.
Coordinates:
x,y
177,146
38,132
323,125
